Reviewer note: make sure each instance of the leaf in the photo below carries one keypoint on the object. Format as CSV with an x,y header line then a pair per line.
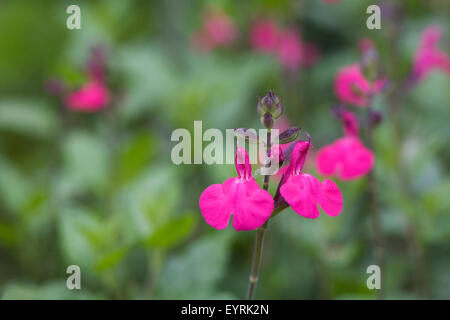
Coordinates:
x,y
137,153
55,290
111,259
31,118
87,161
194,273
171,233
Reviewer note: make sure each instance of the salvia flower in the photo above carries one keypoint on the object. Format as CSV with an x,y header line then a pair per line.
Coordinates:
x,y
428,56
217,30
240,197
347,157
93,95
264,36
304,192
352,87
283,43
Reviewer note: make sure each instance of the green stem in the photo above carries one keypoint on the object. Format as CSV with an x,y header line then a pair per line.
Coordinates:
x,y
378,238
259,239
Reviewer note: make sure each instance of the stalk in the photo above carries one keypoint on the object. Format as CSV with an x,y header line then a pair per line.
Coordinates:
x,y
259,239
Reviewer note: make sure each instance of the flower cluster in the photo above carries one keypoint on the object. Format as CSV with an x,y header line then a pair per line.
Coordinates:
x,y
217,30
94,94
252,206
285,44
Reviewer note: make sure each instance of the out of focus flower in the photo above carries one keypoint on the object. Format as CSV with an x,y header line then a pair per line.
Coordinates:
x,y
352,87
285,44
217,30
428,56
365,44
264,36
347,157
289,49
93,95
241,196
310,54
304,192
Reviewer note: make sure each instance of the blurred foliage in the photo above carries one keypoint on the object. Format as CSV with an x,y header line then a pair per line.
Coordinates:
x,y
99,190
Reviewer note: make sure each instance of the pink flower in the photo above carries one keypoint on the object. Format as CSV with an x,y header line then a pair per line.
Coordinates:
x,y
93,96
289,50
303,192
347,157
241,196
217,30
264,36
310,54
428,56
352,87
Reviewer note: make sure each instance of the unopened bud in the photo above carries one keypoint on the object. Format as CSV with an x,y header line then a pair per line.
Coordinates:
x,y
375,117
289,135
270,104
267,120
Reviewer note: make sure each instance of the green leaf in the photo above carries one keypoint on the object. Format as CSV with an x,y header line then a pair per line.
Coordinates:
x,y
31,118
55,290
137,153
194,273
171,233
111,259
87,161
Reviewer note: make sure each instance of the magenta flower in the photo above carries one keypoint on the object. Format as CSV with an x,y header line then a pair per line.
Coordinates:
x,y
352,87
93,96
217,30
428,56
264,36
303,192
347,157
241,196
289,50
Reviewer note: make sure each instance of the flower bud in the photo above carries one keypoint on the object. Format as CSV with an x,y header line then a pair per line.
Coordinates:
x,y
289,135
270,104
375,117
267,120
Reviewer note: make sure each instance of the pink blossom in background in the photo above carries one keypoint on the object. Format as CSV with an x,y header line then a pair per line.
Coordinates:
x,y
352,87
428,56
285,44
93,96
304,192
217,30
264,36
240,197
365,44
347,157
310,54
289,50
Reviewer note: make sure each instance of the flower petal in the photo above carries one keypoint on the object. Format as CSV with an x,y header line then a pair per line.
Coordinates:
x,y
215,206
253,206
302,192
330,199
327,160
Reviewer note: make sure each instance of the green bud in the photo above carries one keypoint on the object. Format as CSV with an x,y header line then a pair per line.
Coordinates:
x,y
289,135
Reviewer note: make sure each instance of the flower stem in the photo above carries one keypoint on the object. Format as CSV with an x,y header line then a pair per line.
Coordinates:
x,y
259,239
378,237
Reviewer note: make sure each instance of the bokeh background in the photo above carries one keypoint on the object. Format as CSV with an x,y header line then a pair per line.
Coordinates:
x,y
99,190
